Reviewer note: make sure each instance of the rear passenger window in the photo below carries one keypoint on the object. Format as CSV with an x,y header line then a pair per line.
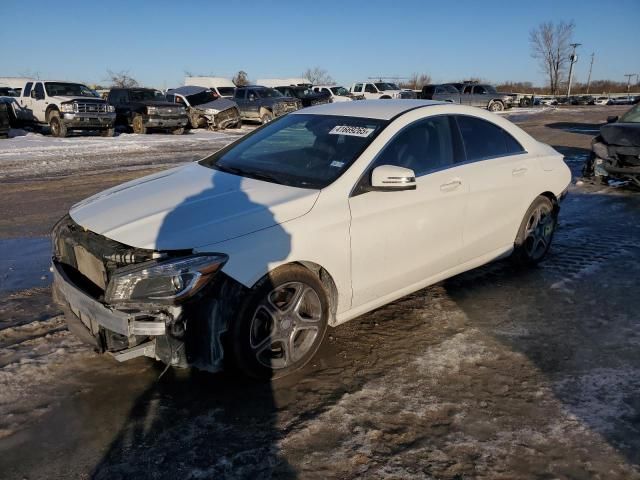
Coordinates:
x,y
357,87
483,139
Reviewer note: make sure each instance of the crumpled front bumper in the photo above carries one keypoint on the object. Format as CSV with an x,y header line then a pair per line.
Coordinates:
x,y
92,321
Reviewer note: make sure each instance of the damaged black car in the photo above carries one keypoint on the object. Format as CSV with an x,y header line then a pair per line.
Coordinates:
x,y
615,153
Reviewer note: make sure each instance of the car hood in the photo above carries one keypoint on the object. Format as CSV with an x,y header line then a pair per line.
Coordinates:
x,y
190,207
625,134
71,98
219,104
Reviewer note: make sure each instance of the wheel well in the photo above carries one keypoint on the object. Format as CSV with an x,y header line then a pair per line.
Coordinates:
x,y
554,201
327,281
50,108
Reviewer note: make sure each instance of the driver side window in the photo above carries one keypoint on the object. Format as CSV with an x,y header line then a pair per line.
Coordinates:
x,y
423,146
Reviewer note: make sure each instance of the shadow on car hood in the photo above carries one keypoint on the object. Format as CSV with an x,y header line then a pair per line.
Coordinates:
x,y
190,207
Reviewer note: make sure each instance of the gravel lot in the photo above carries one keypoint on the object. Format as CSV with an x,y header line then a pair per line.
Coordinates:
x,y
496,373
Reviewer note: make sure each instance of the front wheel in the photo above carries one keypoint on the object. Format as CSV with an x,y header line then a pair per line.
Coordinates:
x,y
281,325
535,233
57,126
496,106
266,117
138,125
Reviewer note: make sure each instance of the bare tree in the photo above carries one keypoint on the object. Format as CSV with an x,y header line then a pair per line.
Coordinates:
x,y
416,81
318,76
241,79
550,45
121,79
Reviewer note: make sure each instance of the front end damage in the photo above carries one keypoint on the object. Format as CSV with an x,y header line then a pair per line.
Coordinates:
x,y
615,154
89,271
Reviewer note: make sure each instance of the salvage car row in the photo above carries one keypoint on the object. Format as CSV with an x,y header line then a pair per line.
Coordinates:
x,y
67,106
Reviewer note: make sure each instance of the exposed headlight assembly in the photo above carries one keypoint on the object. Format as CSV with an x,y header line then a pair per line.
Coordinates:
x,y
111,108
68,107
169,281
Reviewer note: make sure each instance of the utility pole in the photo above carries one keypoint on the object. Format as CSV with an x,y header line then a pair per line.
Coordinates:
x,y
590,68
574,59
629,75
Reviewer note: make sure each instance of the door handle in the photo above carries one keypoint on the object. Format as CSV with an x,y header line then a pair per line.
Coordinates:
x,y
519,171
451,185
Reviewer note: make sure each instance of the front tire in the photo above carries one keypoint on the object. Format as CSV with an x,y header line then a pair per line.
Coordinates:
x,y
281,325
496,106
266,118
536,232
57,126
138,125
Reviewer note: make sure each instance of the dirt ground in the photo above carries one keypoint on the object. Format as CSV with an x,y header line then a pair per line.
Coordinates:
x,y
497,373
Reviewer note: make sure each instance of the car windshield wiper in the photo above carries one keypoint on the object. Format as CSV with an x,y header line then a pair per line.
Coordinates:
x,y
248,173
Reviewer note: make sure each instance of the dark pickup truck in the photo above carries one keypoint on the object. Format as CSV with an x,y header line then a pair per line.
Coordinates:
x,y
143,109
263,104
306,95
472,94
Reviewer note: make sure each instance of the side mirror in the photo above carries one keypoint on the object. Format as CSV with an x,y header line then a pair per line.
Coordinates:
x,y
390,178
612,119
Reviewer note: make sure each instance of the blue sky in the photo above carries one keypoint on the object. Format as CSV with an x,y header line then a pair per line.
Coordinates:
x,y
157,41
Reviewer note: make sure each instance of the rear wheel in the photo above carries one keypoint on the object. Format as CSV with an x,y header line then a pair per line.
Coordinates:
x,y
138,125
57,126
535,233
281,325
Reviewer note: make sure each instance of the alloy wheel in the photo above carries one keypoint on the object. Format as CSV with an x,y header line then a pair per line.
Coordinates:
x,y
285,325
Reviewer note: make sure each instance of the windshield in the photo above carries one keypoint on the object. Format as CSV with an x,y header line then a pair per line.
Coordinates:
x,y
632,116
142,95
306,151
382,86
268,93
303,92
68,90
450,89
204,96
341,91
226,91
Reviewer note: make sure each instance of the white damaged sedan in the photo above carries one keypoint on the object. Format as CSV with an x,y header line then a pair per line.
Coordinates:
x,y
320,216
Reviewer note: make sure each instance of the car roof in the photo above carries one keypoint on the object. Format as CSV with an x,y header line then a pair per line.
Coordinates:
x,y
378,109
187,90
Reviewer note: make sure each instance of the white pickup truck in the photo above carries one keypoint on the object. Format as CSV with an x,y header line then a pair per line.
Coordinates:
x,y
380,90
64,106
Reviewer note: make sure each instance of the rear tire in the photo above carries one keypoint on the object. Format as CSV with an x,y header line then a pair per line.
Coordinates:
x,y
138,125
281,324
57,126
536,233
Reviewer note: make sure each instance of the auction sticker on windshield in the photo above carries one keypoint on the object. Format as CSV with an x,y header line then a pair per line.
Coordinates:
x,y
351,131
